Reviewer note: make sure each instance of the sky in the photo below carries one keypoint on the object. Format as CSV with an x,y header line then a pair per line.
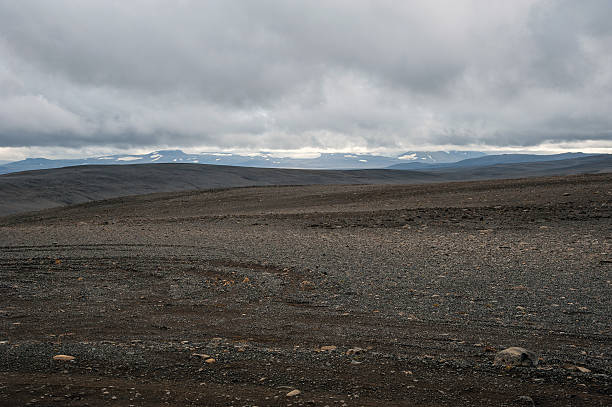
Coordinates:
x,y
79,78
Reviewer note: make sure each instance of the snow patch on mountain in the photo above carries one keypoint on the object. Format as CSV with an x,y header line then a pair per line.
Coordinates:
x,y
129,158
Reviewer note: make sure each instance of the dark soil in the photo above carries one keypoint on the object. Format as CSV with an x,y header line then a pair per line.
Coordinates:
x,y
430,281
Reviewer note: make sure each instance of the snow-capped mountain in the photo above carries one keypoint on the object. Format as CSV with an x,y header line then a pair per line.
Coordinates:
x,y
324,161
486,160
438,157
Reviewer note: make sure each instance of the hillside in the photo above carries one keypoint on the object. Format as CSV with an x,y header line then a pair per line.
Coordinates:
x,y
35,190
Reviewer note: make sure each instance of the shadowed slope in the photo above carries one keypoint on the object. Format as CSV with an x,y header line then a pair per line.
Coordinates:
x,y
35,190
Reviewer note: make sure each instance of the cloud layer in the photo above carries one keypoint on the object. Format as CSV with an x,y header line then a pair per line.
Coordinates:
x,y
340,74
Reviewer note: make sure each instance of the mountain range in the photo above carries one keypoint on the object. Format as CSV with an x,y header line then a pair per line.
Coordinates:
x,y
415,160
486,160
260,160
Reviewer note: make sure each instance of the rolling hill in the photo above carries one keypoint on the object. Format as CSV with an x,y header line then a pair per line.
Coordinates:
x,y
36,190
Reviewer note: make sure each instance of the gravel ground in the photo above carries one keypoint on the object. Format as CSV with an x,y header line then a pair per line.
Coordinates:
x,y
354,295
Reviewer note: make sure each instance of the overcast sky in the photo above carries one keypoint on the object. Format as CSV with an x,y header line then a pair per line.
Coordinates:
x,y
78,77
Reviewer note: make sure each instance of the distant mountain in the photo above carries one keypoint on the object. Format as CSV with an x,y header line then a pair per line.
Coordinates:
x,y
487,160
260,160
412,160
35,190
437,157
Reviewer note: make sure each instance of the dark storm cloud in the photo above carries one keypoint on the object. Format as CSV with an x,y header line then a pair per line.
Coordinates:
x,y
293,74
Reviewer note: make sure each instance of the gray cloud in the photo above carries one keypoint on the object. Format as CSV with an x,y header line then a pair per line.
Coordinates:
x,y
302,74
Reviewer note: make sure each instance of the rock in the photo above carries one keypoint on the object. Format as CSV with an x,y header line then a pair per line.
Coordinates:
x,y
293,393
354,351
328,348
201,355
578,368
210,361
516,356
66,358
525,400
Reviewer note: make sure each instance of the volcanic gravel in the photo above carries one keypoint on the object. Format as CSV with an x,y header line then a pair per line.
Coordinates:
x,y
412,289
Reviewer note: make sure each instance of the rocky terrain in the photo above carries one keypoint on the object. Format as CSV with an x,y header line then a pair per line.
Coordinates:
x,y
313,295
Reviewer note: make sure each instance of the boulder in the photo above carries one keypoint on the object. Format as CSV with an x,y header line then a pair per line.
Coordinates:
x,y
516,356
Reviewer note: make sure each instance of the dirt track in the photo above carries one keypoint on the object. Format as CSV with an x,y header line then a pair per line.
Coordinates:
x,y
429,281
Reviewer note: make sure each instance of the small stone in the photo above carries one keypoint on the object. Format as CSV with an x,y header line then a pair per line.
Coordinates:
x,y
201,355
525,400
578,368
66,358
328,348
516,356
354,351
293,393
210,361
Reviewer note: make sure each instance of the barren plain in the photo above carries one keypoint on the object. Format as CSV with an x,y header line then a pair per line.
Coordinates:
x,y
353,295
